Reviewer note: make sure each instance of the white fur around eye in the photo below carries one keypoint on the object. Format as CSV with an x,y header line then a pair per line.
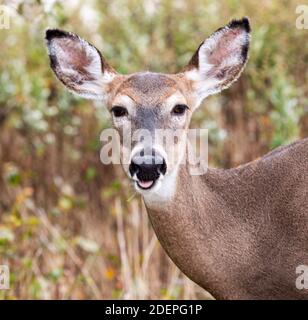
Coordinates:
x,y
179,120
125,101
120,121
173,100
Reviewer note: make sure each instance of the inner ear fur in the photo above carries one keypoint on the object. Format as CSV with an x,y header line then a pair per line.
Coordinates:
x,y
220,59
78,64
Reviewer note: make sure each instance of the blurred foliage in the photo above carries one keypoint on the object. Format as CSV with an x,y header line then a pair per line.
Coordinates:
x,y
67,229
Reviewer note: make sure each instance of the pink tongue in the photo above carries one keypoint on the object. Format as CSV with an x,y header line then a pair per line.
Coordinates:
x,y
145,184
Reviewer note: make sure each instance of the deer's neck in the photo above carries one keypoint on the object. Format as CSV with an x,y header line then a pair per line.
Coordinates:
x,y
239,232
199,232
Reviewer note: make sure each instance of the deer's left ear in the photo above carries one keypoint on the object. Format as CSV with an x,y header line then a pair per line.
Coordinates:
x,y
78,64
220,59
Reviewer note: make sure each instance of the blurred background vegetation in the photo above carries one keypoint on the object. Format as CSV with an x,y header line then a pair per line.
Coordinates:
x,y
73,228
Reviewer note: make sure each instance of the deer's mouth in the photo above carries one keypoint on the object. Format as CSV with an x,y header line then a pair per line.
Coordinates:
x,y
146,170
146,185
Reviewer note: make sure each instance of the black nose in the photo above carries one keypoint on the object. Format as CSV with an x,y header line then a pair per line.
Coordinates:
x,y
147,168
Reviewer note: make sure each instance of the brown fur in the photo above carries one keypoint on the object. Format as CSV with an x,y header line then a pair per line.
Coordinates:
x,y
238,233
241,233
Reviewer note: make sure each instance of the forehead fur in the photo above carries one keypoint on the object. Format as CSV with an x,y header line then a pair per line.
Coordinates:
x,y
148,87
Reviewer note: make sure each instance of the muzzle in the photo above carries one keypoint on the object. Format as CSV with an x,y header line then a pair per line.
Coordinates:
x,y
146,169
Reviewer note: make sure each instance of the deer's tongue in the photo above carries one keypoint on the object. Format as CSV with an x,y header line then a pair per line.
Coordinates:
x,y
145,184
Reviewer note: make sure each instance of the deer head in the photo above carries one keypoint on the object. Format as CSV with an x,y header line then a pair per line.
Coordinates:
x,y
151,101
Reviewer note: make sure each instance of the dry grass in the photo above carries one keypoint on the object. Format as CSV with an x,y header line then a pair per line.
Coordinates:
x,y
80,243
69,226
102,258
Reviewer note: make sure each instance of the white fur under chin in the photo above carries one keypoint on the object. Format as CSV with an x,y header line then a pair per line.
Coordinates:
x,y
162,192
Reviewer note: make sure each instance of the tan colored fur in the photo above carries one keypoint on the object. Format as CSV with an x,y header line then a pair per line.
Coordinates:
x,y
238,233
241,233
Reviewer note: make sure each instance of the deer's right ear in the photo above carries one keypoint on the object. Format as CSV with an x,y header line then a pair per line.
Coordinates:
x,y
219,60
78,64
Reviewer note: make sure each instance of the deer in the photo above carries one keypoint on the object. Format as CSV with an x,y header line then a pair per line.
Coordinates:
x,y
239,233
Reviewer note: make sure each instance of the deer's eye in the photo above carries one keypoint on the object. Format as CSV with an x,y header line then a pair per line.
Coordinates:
x,y
119,111
179,109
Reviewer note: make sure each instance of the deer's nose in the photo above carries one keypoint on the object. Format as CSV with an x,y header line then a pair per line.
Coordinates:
x,y
147,168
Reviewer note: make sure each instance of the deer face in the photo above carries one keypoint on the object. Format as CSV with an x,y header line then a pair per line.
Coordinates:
x,y
154,108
